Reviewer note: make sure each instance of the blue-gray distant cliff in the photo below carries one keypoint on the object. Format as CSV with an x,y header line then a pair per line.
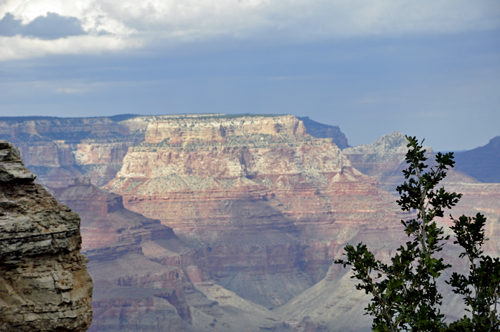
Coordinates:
x,y
482,163
321,130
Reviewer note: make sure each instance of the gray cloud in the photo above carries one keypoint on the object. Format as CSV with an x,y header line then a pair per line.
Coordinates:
x,y
48,27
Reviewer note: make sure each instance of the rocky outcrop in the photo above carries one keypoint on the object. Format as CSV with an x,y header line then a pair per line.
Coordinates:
x,y
44,284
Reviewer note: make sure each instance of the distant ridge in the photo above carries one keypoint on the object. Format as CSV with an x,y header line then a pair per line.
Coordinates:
x,y
482,163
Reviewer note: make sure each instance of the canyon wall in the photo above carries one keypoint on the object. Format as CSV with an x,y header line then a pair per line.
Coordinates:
x,y
146,278
44,284
60,150
266,206
230,223
131,291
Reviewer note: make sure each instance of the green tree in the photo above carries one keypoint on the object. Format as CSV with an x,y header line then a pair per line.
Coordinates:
x,y
481,288
404,292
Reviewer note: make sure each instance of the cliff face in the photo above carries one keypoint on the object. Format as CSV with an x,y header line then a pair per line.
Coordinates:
x,y
146,278
59,150
267,205
114,240
44,284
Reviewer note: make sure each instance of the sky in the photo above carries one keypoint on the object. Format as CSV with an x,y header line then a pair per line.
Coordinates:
x,y
427,68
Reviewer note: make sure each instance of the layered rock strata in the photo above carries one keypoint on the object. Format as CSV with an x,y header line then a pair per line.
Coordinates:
x,y
146,279
266,205
59,150
44,284
259,209
131,292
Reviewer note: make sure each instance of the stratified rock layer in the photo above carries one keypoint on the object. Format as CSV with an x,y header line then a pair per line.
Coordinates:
x,y
59,150
266,205
146,279
44,284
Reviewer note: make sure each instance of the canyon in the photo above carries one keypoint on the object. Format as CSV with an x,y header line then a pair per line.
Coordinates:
x,y
228,223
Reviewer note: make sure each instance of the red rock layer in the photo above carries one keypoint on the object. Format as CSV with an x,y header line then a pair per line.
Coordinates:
x,y
260,198
130,289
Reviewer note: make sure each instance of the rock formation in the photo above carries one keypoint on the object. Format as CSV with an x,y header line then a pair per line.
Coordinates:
x,y
130,290
44,284
59,150
228,223
384,159
266,205
146,279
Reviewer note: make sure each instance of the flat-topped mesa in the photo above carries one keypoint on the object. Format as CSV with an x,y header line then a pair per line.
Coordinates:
x,y
216,148
260,157
251,200
217,128
44,284
58,150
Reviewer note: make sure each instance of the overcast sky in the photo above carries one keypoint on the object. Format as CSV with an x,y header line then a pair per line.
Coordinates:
x,y
429,68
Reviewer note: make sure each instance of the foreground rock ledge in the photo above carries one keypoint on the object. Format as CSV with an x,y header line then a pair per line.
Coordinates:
x,y
44,284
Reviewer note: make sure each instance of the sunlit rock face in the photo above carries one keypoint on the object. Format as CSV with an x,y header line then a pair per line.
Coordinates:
x,y
44,284
267,205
